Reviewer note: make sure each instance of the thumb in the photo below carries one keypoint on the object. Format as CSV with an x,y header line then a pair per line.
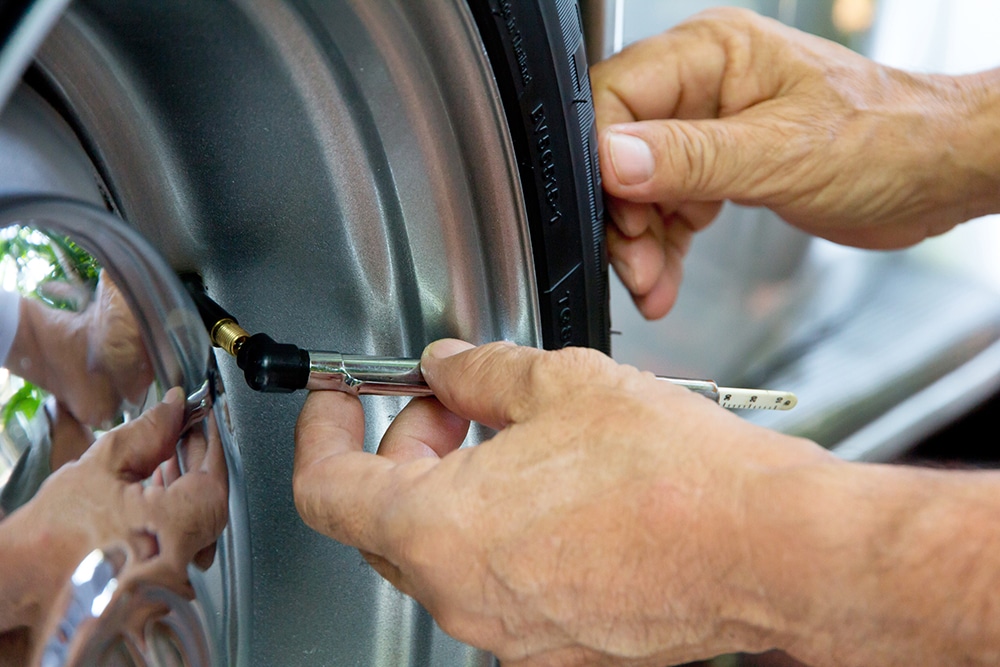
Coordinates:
x,y
136,448
499,384
679,160
483,384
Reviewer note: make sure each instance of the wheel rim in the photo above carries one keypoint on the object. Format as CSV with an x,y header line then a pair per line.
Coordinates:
x,y
353,190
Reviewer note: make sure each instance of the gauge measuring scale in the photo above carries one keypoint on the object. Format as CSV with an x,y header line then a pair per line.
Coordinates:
x,y
734,398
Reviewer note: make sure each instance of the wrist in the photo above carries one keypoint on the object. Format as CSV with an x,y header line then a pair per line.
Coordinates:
x,y
982,139
752,558
796,548
860,560
971,142
776,498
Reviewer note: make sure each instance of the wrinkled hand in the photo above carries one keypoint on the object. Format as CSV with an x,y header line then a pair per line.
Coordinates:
x,y
117,366
101,500
92,360
115,348
603,523
734,106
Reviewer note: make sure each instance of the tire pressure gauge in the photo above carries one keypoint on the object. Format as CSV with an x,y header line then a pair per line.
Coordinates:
x,y
270,366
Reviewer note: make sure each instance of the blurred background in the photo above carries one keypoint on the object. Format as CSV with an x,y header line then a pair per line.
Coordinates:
x,y
894,356
885,350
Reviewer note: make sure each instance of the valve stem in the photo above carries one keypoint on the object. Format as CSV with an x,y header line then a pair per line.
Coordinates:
x,y
223,329
229,335
266,364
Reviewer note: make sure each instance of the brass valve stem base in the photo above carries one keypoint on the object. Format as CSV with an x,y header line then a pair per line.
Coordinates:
x,y
229,335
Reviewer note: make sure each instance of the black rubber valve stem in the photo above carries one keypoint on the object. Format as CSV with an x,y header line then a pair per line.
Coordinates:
x,y
267,365
272,366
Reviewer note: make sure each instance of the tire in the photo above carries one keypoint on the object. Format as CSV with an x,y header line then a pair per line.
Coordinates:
x,y
536,50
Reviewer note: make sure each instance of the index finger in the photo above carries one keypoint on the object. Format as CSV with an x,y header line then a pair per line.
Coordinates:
x,y
340,490
713,65
676,74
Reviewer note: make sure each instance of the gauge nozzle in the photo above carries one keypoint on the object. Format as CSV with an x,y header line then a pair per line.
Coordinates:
x,y
271,366
266,364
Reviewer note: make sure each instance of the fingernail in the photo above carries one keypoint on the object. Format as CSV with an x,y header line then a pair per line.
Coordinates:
x,y
173,396
631,158
446,347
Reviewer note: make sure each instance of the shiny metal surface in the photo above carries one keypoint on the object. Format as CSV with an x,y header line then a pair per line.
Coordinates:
x,y
357,374
706,388
917,351
223,591
40,155
176,342
25,26
177,346
229,336
149,626
602,23
358,171
394,376
92,585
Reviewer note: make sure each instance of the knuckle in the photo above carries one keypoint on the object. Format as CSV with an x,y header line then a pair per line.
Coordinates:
x,y
539,375
555,371
497,365
691,157
675,160
488,358
161,420
728,15
695,154
585,358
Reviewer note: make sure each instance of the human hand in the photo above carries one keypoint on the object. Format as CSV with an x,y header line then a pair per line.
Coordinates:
x,y
605,523
92,360
734,106
104,499
115,346
69,438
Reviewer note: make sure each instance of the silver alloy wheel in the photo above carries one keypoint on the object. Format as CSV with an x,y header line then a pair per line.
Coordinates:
x,y
340,175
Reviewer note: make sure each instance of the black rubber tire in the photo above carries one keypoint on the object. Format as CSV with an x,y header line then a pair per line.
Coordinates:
x,y
536,50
